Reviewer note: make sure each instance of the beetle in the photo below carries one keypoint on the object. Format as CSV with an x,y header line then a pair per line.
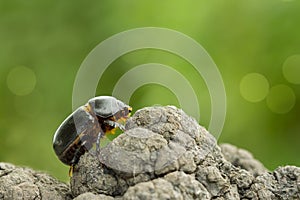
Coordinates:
x,y
84,128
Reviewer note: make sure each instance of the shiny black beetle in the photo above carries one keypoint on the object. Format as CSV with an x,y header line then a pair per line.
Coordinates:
x,y
86,126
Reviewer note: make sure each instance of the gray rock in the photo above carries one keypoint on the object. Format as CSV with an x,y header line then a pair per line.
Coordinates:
x,y
175,185
158,141
243,159
26,184
163,154
213,180
288,182
91,196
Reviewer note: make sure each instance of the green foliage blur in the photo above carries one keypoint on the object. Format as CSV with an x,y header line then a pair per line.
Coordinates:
x,y
43,43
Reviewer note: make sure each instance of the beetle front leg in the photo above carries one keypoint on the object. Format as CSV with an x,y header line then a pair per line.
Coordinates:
x,y
98,143
115,124
100,134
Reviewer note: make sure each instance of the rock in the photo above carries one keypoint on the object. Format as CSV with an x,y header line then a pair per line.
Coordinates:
x,y
158,141
89,196
288,179
243,159
163,154
176,185
24,183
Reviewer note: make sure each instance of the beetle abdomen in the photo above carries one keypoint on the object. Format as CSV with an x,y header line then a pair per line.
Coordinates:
x,y
76,135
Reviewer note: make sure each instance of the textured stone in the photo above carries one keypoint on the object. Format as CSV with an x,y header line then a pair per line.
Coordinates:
x,y
243,159
26,184
163,154
91,196
158,141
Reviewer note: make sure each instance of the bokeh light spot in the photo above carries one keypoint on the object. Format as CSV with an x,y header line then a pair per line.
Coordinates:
x,y
21,81
254,87
281,99
291,69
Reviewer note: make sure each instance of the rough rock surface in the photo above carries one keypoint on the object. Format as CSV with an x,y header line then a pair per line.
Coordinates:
x,y
22,183
243,159
163,154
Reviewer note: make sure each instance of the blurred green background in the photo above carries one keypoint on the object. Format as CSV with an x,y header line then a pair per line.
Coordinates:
x,y
255,44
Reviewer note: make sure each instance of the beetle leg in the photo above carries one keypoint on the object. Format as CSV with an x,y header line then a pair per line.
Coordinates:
x,y
115,124
71,170
75,159
98,143
121,126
